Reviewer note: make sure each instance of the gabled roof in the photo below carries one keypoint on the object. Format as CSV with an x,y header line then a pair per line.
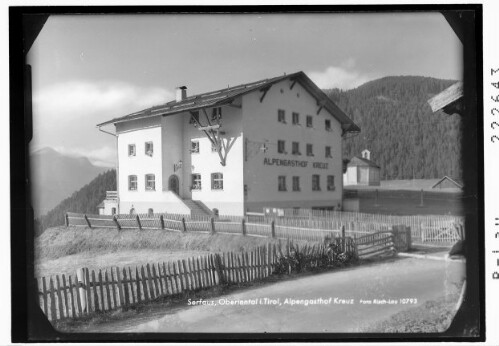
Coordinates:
x,y
458,184
359,161
228,95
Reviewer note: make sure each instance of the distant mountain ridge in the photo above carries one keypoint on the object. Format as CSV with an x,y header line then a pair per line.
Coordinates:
x,y
55,176
405,138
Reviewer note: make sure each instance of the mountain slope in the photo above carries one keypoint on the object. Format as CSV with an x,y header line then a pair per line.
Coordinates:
x,y
85,200
405,138
55,176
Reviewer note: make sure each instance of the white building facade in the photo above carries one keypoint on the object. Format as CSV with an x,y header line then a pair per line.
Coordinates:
x,y
273,143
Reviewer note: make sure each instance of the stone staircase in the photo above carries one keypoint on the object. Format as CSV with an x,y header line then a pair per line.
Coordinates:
x,y
197,208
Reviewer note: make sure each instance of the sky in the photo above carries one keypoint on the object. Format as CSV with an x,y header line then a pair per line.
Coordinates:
x,y
89,69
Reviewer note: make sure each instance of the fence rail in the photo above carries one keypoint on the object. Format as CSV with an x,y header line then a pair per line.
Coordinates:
x,y
297,225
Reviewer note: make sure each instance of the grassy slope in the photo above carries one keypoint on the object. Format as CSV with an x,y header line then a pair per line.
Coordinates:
x,y
62,250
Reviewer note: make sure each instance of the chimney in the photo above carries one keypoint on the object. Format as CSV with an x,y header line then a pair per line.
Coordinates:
x,y
366,154
181,93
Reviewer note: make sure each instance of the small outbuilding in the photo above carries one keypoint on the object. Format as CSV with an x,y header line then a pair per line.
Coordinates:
x,y
362,171
447,183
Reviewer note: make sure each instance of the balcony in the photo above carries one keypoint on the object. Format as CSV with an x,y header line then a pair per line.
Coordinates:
x,y
112,195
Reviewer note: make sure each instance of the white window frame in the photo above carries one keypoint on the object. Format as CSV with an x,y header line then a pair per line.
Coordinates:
x,y
297,116
132,150
131,181
327,125
281,183
148,181
297,151
149,152
196,181
309,121
316,182
195,148
330,187
328,154
296,183
217,181
281,112
311,152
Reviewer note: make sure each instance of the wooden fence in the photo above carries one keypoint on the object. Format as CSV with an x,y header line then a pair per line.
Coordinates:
x,y
91,291
376,244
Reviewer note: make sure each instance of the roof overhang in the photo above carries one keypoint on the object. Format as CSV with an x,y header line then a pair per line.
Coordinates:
x,y
449,101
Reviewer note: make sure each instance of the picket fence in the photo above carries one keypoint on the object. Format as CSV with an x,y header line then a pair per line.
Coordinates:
x,y
91,291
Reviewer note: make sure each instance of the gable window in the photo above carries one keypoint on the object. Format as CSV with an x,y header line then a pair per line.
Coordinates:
x,y
194,118
281,116
316,182
296,118
132,182
216,114
310,121
131,149
214,147
149,149
195,147
296,183
281,183
196,181
328,152
281,147
150,182
217,181
295,149
328,125
310,150
330,183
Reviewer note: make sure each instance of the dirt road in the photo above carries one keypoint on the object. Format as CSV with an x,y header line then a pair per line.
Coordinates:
x,y
336,301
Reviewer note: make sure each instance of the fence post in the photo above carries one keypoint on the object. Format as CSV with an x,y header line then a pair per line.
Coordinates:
x,y
219,269
118,226
88,221
138,221
243,226
66,219
184,227
272,226
212,221
343,242
408,237
162,222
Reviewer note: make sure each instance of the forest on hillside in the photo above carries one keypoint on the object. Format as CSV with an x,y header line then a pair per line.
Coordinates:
x,y
84,200
405,138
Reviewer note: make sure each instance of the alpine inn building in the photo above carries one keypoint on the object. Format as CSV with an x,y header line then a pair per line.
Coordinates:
x,y
273,143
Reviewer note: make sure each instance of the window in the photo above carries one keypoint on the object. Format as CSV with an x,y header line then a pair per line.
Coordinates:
x,y
195,147
281,147
328,125
216,114
217,181
131,149
113,211
309,121
194,118
328,152
149,149
310,150
132,182
196,181
281,183
281,116
214,147
316,182
295,149
330,183
296,183
150,182
296,118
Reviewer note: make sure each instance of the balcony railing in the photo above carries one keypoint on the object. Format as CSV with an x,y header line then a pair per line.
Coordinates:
x,y
112,195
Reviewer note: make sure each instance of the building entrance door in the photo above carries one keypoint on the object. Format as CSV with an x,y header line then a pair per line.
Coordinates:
x,y
173,184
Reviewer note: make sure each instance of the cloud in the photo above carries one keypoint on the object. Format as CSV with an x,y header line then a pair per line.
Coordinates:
x,y
77,99
104,156
343,77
